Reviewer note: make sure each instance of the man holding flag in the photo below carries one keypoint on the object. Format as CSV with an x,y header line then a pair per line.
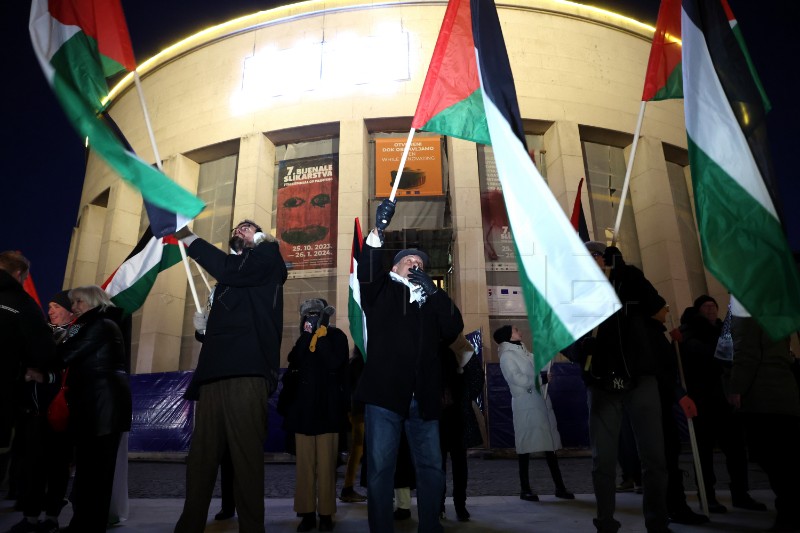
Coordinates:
x,y
407,318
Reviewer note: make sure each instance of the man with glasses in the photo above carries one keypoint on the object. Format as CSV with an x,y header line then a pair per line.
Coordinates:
x,y
237,371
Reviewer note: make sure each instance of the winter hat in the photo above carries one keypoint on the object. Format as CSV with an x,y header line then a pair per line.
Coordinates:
x,y
502,334
411,251
313,305
595,247
62,299
702,299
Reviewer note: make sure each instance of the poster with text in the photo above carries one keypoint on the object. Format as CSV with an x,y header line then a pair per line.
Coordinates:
x,y
307,210
422,173
498,242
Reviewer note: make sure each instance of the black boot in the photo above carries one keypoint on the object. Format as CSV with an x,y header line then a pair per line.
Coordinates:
x,y
555,473
325,522
308,523
525,493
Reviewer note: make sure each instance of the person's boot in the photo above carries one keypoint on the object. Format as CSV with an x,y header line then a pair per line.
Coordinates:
x,y
308,523
461,512
564,494
606,526
325,522
528,495
225,514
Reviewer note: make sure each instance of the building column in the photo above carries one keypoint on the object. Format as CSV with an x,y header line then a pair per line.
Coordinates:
x,y
86,243
353,202
162,318
469,263
255,181
657,225
121,230
565,168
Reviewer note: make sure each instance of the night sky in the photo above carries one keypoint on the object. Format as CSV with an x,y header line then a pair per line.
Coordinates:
x,y
43,158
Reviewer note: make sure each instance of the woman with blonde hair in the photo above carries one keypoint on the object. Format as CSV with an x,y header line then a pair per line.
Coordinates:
x,y
99,398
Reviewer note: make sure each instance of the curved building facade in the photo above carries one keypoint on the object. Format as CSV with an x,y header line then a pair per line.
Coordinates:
x,y
295,118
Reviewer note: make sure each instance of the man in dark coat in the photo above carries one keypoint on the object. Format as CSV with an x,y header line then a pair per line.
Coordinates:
x,y
407,318
237,370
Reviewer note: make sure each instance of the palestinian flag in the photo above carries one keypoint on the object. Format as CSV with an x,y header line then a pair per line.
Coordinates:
x,y
663,79
30,288
578,219
741,236
358,321
79,43
565,292
130,284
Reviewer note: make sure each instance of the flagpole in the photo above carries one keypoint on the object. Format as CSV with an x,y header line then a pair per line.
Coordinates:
x,y
402,164
628,170
185,260
202,275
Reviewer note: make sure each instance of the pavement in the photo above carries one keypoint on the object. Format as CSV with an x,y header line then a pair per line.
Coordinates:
x,y
156,490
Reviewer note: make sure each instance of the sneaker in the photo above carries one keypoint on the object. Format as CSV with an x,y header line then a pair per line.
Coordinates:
x,y
626,486
24,526
349,495
402,514
745,501
48,526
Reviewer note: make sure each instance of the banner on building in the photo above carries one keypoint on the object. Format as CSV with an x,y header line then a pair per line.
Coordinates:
x,y
422,174
506,300
498,242
307,210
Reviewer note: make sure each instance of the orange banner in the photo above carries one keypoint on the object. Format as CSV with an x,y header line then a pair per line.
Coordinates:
x,y
422,175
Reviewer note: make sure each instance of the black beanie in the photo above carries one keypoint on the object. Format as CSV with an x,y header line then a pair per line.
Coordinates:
x,y
62,299
702,299
502,334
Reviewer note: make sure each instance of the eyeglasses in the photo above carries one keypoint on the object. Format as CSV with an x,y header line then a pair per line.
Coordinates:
x,y
242,227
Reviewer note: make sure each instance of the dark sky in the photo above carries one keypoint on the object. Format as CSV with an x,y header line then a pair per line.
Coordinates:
x,y
43,158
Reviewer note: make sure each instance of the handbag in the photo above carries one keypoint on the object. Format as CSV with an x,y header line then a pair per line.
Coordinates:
x,y
58,411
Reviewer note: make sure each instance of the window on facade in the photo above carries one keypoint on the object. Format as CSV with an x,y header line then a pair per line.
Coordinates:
x,y
687,229
605,175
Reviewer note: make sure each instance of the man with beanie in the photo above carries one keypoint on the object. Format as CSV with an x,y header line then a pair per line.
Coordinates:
x,y
44,454
401,385
716,424
236,372
620,372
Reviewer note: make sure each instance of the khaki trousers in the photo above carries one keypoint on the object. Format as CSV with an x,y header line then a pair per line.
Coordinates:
x,y
315,486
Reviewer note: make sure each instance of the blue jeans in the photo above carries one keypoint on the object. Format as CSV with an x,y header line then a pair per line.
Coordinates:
x,y
382,435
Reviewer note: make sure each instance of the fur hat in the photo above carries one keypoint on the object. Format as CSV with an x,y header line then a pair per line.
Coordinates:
x,y
316,305
411,251
702,299
502,334
62,299
595,247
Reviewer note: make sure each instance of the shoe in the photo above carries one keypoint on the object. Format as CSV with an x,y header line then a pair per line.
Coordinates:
x,y
687,516
224,515
47,526
745,501
564,494
24,526
308,522
715,507
402,514
349,495
529,496
325,523
626,486
606,526
462,514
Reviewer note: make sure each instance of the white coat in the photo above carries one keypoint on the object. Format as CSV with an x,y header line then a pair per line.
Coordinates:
x,y
535,428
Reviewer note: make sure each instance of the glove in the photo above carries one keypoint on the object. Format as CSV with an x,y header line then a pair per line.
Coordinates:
x,y
421,278
384,214
676,335
688,406
200,321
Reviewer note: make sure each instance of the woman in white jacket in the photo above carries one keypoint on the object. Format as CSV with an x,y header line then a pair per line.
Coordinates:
x,y
535,428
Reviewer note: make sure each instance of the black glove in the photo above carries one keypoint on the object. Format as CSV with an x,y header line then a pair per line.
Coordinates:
x,y
421,278
384,214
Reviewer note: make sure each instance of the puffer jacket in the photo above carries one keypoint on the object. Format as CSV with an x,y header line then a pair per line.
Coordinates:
x,y
99,394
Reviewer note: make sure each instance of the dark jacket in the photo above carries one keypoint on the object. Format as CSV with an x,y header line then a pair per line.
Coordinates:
x,y
26,342
321,399
702,372
402,341
99,394
622,346
245,325
458,424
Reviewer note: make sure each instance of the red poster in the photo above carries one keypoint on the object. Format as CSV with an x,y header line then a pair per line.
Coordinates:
x,y
307,210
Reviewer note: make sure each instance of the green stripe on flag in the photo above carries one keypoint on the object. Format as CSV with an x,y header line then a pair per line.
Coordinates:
x,y
673,87
465,119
